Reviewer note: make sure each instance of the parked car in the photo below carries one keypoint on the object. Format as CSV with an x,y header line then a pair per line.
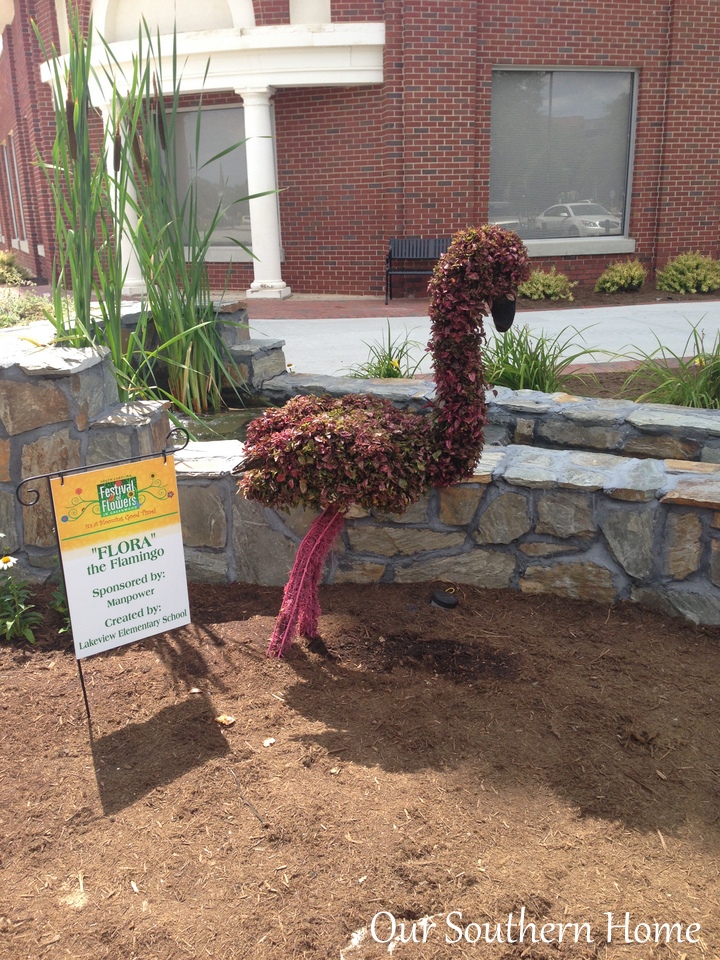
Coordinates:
x,y
581,219
503,215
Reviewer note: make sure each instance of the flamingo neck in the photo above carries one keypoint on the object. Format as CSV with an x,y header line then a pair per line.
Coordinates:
x,y
460,408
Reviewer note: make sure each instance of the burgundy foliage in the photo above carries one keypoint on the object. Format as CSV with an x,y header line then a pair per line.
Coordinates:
x,y
328,453
481,266
323,451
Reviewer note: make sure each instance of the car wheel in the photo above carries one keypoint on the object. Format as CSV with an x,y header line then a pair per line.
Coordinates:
x,y
573,232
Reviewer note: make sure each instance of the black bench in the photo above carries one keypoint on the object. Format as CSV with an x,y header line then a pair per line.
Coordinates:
x,y
415,250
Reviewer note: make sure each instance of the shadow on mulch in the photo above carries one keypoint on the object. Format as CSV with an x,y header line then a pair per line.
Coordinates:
x,y
135,760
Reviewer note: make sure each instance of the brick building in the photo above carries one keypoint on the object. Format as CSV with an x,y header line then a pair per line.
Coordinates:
x,y
591,127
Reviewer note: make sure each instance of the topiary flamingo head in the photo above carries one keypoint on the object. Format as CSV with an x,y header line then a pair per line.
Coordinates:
x,y
483,266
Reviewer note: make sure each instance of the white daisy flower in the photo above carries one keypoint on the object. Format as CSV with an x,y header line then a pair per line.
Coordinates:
x,y
7,562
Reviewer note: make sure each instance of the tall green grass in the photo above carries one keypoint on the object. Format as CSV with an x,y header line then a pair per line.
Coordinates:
x,y
518,360
172,250
392,358
690,378
123,182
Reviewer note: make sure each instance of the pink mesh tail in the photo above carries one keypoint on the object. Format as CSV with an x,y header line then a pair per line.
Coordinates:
x,y
300,608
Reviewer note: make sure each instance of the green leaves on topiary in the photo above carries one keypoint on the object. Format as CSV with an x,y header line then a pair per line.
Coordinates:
x,y
547,285
690,273
622,275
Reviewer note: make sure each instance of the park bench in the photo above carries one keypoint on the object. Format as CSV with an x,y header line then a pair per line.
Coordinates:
x,y
416,257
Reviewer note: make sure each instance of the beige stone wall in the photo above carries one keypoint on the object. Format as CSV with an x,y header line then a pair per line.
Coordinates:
x,y
587,524
591,526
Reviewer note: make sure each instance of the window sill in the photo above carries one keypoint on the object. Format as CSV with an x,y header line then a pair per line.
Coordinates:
x,y
230,255
579,246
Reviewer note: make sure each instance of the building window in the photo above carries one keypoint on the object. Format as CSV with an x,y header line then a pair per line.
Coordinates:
x,y
12,180
561,152
220,182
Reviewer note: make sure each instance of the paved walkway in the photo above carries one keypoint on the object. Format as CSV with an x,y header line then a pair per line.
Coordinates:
x,y
329,336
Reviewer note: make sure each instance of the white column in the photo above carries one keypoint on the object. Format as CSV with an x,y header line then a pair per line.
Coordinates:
x,y
134,282
262,177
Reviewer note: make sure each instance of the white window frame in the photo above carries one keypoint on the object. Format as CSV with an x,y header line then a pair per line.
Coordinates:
x,y
17,211
218,253
588,246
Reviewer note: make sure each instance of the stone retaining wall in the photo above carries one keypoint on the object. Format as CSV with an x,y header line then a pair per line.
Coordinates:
x,y
562,420
59,409
575,522
586,525
558,420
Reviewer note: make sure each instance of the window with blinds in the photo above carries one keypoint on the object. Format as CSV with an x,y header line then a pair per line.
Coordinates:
x,y
561,151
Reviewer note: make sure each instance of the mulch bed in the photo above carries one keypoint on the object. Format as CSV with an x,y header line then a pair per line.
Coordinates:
x,y
584,296
517,758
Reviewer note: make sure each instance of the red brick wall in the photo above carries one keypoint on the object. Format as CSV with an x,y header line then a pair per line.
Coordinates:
x,y
270,12
27,113
411,156
689,201
358,11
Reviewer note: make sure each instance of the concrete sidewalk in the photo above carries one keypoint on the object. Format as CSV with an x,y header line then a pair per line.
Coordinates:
x,y
328,335
331,345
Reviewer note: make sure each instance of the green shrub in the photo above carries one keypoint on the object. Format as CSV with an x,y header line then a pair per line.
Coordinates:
x,y
18,308
516,360
11,272
547,285
18,617
690,273
622,275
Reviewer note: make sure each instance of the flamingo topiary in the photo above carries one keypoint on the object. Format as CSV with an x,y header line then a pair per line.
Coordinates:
x,y
328,453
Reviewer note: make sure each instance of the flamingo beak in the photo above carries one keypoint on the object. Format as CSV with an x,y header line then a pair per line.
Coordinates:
x,y
503,312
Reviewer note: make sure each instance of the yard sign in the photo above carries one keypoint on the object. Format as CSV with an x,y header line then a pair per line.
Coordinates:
x,y
122,553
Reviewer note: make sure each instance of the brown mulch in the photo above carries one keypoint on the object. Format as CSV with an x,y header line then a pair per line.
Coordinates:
x,y
584,296
516,752
553,760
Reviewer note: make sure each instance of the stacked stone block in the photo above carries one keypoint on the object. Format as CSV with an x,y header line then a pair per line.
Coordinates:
x,y
578,524
59,410
574,520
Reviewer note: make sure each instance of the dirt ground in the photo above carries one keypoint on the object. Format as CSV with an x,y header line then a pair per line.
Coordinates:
x,y
545,759
520,778
584,296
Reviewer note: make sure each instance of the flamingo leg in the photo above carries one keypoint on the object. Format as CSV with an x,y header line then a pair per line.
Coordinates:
x,y
300,608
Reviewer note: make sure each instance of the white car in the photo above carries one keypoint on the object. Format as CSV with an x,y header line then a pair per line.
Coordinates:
x,y
503,215
581,219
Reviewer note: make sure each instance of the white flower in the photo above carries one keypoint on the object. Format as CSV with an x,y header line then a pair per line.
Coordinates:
x,y
7,562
